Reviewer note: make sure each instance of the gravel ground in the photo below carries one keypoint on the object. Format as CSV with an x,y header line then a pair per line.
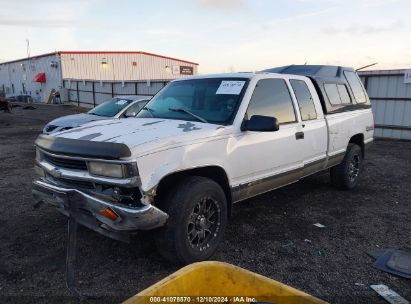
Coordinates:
x,y
266,234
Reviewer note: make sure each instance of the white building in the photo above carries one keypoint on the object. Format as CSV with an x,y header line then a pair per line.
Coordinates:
x,y
38,75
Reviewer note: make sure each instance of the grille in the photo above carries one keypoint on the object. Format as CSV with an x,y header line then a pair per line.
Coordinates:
x,y
65,162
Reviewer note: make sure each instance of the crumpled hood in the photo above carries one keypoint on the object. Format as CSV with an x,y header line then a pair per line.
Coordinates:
x,y
143,135
75,120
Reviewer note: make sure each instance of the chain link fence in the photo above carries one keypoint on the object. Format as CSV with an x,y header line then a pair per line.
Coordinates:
x,y
88,93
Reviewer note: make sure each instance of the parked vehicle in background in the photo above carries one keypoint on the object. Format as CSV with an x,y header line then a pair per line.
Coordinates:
x,y
202,144
116,107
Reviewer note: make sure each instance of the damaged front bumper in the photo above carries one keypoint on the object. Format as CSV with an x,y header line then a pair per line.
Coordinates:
x,y
89,211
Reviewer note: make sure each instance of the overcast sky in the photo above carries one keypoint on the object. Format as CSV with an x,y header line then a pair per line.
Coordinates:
x,y
221,35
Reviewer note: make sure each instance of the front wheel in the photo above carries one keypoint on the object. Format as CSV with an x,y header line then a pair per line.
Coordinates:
x,y
345,175
197,207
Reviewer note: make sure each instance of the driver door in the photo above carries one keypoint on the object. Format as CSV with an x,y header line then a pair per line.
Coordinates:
x,y
263,161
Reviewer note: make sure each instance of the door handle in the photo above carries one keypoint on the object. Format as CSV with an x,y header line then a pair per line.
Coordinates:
x,y
299,135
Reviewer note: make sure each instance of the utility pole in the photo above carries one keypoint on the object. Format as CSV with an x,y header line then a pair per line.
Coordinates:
x,y
28,48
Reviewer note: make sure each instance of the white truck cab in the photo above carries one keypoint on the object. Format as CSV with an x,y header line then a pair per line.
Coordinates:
x,y
202,144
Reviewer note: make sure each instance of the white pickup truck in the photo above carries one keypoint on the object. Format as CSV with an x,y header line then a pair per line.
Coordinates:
x,y
202,144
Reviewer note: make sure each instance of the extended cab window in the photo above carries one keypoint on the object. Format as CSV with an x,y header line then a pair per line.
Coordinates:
x,y
272,98
337,93
304,99
356,86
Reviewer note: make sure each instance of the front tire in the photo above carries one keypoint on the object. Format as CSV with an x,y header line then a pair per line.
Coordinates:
x,y
197,207
345,175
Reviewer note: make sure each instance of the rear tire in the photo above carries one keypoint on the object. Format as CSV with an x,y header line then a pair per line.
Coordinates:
x,y
345,175
197,207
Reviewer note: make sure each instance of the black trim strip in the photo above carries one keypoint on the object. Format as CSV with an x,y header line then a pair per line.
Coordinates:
x,y
313,167
244,191
335,159
254,188
85,148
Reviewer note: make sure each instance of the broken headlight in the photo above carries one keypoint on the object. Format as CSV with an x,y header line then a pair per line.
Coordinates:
x,y
112,169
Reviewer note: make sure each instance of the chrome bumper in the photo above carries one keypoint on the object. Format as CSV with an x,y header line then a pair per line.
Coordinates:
x,y
89,210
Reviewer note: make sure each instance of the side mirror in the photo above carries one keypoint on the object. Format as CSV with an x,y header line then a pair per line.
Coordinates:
x,y
260,123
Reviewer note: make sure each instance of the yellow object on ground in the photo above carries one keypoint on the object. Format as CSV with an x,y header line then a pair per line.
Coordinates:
x,y
216,282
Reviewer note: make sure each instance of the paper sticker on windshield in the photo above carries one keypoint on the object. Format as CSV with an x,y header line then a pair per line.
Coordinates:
x,y
121,102
230,87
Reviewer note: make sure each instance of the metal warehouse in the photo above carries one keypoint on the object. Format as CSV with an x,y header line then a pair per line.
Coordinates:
x,y
390,95
37,76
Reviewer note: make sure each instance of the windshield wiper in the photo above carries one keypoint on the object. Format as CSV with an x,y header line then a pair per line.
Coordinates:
x,y
149,110
93,114
189,113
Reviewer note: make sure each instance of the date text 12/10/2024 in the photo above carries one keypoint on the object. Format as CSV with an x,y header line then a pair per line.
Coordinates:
x,y
202,299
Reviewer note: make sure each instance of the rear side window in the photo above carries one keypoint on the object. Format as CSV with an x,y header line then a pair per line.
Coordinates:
x,y
304,99
356,86
332,93
272,98
345,97
337,93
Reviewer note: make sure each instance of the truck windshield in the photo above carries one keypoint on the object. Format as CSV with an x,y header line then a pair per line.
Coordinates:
x,y
110,107
213,100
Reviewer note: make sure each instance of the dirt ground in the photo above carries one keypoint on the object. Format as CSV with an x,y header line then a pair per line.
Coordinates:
x,y
272,234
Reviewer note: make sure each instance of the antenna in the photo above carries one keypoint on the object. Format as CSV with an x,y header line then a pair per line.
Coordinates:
x,y
367,66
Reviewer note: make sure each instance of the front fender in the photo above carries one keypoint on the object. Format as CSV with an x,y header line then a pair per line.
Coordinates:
x,y
154,167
